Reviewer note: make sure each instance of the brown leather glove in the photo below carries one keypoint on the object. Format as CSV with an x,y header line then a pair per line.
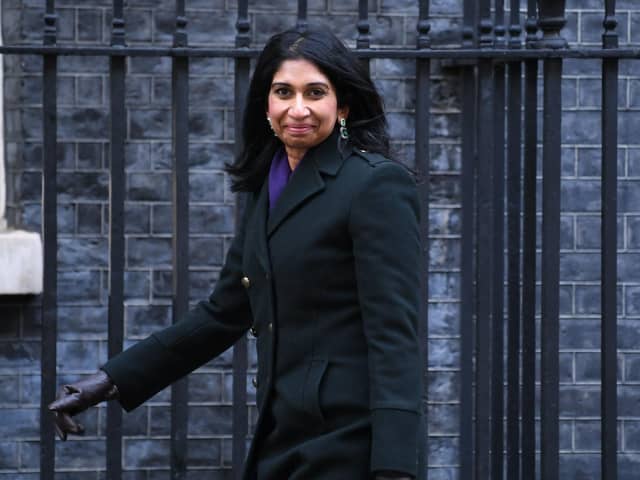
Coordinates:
x,y
77,397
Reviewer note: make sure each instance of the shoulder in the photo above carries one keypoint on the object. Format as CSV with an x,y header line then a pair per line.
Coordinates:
x,y
365,168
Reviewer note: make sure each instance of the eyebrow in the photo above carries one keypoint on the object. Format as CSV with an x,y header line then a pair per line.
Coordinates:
x,y
312,84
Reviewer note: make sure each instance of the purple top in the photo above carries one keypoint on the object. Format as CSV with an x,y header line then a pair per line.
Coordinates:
x,y
279,174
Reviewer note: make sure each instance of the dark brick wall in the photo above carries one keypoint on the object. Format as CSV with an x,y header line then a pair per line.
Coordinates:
x,y
83,95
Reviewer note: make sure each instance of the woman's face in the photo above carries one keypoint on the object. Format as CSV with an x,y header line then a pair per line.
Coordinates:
x,y
302,106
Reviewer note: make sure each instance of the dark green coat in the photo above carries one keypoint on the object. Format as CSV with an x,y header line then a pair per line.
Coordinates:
x,y
328,282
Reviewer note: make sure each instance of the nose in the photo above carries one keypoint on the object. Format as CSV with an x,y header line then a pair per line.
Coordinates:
x,y
298,108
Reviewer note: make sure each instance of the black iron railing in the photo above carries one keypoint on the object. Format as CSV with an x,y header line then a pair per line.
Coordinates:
x,y
498,62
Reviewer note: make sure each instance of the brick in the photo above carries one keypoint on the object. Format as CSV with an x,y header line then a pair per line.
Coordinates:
x,y
444,318
137,218
19,422
89,90
89,25
631,435
205,387
141,321
78,355
201,284
444,418
580,467
89,218
161,156
210,155
443,451
9,393
443,353
204,452
591,93
138,24
82,186
149,186
85,252
78,286
148,252
136,285
8,455
205,251
138,90
149,123
207,66
444,386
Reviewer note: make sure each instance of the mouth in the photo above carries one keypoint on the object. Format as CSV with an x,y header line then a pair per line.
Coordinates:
x,y
299,129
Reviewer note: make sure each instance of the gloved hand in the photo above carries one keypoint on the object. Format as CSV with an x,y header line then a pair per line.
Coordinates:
x,y
77,397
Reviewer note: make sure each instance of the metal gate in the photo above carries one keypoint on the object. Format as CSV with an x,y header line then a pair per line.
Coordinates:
x,y
498,62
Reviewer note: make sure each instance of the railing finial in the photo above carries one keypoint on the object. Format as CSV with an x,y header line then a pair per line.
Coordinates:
x,y
552,19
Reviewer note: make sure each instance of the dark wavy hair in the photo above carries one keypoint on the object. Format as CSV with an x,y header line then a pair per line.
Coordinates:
x,y
366,123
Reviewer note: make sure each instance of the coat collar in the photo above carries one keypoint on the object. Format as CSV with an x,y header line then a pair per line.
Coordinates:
x,y
307,180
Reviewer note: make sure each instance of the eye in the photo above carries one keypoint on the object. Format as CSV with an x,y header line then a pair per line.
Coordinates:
x,y
282,91
316,93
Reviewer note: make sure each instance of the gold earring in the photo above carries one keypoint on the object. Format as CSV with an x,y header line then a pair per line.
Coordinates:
x,y
271,126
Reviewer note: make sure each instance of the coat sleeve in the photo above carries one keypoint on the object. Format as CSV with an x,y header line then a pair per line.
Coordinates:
x,y
208,329
386,245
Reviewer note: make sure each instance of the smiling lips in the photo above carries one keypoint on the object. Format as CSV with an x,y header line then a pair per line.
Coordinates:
x,y
298,129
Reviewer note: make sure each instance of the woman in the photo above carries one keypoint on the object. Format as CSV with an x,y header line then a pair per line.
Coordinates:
x,y
323,271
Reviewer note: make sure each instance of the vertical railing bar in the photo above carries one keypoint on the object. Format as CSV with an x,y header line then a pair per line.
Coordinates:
x,y
363,40
180,240
514,209
48,360
608,348
467,287
240,359
497,343
301,22
484,250
529,234
422,165
551,22
117,65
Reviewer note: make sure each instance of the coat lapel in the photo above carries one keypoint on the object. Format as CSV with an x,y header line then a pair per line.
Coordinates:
x,y
306,180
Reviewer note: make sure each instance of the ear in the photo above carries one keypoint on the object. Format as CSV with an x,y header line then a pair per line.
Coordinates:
x,y
343,112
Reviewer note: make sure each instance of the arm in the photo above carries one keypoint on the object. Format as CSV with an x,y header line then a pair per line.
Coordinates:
x,y
152,364
209,329
386,245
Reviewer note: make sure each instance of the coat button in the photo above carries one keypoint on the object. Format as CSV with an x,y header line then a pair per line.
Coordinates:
x,y
270,326
246,283
254,382
253,331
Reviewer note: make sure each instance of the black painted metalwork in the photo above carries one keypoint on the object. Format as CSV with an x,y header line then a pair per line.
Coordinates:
x,y
363,39
467,286
240,350
485,259
529,235
422,166
50,243
609,239
484,56
497,302
551,22
514,193
496,55
302,15
117,65
180,240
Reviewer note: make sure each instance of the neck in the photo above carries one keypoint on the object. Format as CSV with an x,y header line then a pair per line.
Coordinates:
x,y
294,156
